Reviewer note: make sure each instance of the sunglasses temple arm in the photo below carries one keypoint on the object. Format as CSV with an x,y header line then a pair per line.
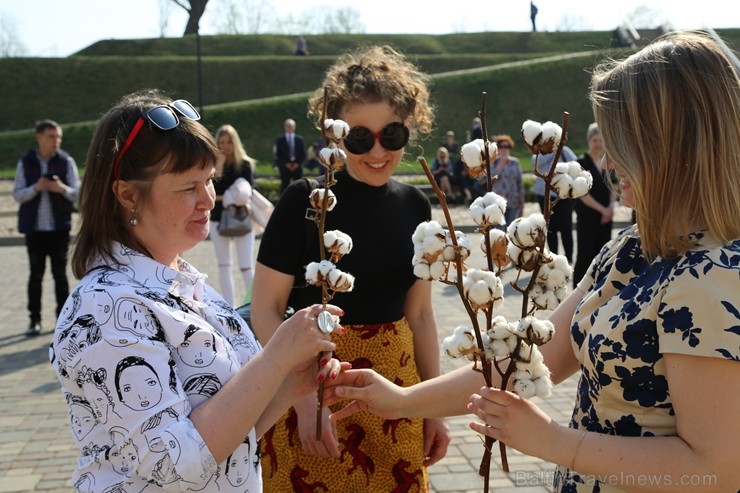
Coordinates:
x,y
127,144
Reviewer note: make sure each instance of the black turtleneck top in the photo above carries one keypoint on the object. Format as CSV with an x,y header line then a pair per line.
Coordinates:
x,y
380,221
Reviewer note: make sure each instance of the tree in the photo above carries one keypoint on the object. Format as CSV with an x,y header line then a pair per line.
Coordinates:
x,y
10,41
243,16
195,10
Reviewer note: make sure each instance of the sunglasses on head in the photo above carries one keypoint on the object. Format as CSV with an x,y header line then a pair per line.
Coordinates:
x,y
164,117
392,137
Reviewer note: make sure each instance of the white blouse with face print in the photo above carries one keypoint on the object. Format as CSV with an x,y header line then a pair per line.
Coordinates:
x,y
137,346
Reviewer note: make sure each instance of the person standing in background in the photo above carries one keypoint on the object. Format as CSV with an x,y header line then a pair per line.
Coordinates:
x,y
533,15
442,171
594,211
233,163
301,46
561,220
46,187
510,183
289,155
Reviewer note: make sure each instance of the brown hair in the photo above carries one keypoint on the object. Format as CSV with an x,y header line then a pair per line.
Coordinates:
x,y
153,152
504,138
670,118
375,74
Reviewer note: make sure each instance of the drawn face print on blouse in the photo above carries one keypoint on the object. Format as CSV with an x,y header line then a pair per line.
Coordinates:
x,y
70,309
84,332
137,384
85,483
124,456
198,349
92,383
133,316
238,466
81,417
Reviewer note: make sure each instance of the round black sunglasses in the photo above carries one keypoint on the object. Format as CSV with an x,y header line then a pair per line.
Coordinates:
x,y
392,137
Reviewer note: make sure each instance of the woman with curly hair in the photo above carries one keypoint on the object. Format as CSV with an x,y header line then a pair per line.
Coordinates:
x,y
388,318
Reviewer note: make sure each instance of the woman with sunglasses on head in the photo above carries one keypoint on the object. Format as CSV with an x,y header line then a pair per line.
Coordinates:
x,y
234,177
389,319
654,325
145,198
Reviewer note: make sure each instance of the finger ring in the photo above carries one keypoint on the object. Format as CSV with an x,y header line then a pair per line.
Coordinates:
x,y
326,322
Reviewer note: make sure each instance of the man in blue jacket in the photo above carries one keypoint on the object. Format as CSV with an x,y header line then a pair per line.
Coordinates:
x,y
46,187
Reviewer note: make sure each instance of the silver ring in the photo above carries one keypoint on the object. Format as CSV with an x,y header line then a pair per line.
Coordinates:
x,y
325,321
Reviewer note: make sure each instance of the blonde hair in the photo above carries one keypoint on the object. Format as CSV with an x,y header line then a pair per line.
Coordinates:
x,y
670,118
375,74
240,154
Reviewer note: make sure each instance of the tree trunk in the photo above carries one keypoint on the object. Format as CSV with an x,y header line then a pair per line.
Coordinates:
x,y
196,10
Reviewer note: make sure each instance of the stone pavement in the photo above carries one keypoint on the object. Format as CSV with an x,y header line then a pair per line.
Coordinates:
x,y
36,449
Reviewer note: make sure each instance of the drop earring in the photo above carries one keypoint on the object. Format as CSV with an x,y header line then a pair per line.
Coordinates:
x,y
133,221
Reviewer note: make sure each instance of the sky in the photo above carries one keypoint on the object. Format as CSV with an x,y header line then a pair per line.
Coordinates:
x,y
58,28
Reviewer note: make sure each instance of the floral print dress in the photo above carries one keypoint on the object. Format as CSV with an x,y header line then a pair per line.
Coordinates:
x,y
634,311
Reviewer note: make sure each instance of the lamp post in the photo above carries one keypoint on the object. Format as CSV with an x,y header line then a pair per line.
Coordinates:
x,y
199,69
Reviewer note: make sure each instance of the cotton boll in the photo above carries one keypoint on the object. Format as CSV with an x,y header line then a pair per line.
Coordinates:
x,y
531,135
556,279
317,199
432,247
336,129
499,349
542,299
560,294
422,271
540,332
539,370
332,158
427,228
521,374
499,243
512,341
337,243
525,260
525,388
551,135
560,263
436,270
341,281
499,328
581,186
460,343
479,295
543,387
317,272
471,155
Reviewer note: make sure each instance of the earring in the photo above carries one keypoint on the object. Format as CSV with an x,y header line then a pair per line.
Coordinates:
x,y
133,221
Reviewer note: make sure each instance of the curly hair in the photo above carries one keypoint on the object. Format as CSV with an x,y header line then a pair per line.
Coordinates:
x,y
375,74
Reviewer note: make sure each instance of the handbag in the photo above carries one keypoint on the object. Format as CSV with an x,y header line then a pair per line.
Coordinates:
x,y
235,221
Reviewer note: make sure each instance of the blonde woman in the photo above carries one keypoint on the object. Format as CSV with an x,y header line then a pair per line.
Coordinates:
x,y
442,170
233,164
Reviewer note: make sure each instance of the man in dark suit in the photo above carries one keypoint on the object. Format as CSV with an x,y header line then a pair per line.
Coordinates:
x,y
289,155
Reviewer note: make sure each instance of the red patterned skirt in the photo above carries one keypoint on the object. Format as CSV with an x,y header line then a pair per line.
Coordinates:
x,y
377,455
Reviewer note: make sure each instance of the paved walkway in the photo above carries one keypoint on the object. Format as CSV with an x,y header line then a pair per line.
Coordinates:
x,y
36,449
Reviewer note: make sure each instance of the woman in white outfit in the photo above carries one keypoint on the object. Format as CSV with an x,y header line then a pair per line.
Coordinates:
x,y
233,183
